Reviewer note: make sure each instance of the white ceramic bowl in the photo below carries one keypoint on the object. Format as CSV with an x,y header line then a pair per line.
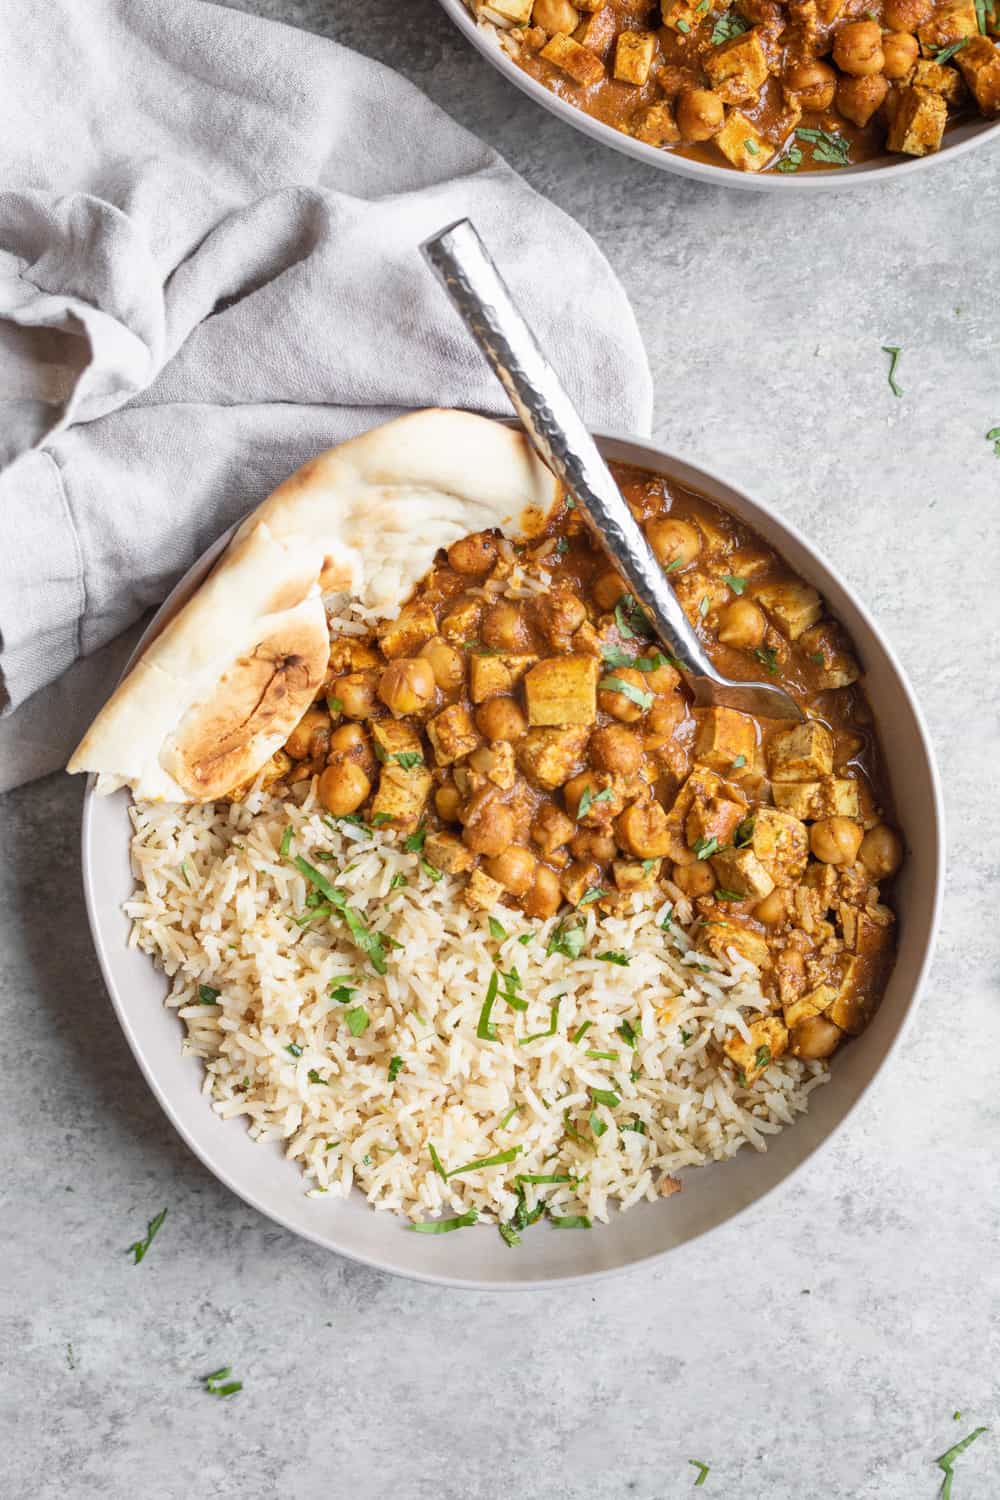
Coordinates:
x,y
960,138
478,1258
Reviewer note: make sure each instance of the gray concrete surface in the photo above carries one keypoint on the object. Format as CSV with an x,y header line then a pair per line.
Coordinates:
x,y
818,1348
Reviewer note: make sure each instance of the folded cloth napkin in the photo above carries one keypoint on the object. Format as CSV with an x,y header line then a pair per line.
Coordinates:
x,y
209,271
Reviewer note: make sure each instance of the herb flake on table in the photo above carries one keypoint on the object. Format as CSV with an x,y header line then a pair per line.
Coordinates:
x,y
704,1470
946,1461
894,351
138,1248
993,436
219,1384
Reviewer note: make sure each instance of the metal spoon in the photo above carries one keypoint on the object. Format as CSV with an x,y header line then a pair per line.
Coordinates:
x,y
462,264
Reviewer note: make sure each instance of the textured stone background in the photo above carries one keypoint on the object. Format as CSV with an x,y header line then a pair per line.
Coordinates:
x,y
763,322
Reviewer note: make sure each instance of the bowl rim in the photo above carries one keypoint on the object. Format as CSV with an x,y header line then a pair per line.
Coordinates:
x,y
862,174
664,461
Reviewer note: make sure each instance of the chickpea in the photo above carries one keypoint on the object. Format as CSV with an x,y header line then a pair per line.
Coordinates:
x,y
545,897
607,590
662,679
666,714
343,787
447,664
555,15
742,624
906,15
857,48
310,737
593,844
514,868
881,851
349,742
901,52
859,98
815,1038
551,828
643,830
473,554
574,789
561,612
407,685
504,627
619,705
697,879
835,841
812,83
356,694
489,828
617,749
501,719
447,801
699,114
771,911
673,540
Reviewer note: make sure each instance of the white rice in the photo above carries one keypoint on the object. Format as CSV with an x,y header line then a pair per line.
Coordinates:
x,y
216,905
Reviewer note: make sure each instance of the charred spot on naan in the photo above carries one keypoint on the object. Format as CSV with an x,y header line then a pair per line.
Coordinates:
x,y
259,699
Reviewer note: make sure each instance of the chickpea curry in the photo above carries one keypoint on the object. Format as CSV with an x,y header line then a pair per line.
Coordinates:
x,y
519,726
789,85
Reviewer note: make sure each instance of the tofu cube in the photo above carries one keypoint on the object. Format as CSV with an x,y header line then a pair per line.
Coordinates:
x,y
740,871
482,893
579,63
597,32
979,61
634,56
562,690
412,627
724,735
392,737
804,753
582,876
768,1040
491,676
742,144
807,1006
549,757
825,647
919,121
793,606
839,795
851,1003
827,11
866,933
445,851
461,623
781,843
947,82
507,12
737,68
719,936
402,795
500,767
657,127
452,734
712,818
633,874
949,23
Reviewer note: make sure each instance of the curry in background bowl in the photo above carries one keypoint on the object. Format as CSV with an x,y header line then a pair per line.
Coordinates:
x,y
789,86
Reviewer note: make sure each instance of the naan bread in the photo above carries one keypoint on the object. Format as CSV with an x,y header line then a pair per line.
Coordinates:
x,y
228,678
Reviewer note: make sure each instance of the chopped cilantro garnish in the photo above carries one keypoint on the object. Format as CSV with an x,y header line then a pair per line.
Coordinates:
x,y
537,1036
791,161
580,1032
605,1096
726,27
683,26
631,618
497,930
138,1248
486,1031
415,843
431,870
357,1020
763,1057
738,585
614,957
594,894
293,1049
569,1221
568,941
398,881
744,833
368,941
722,894
628,690
752,147
947,53
629,1034
207,995
315,1077
381,819
501,1158
334,705
705,847
445,1226
514,1109
407,759
286,841
832,149
738,763
396,1066
603,1056
768,657
639,1126
589,798
597,1125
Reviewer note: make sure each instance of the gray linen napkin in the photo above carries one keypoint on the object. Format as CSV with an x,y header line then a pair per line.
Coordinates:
x,y
209,271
